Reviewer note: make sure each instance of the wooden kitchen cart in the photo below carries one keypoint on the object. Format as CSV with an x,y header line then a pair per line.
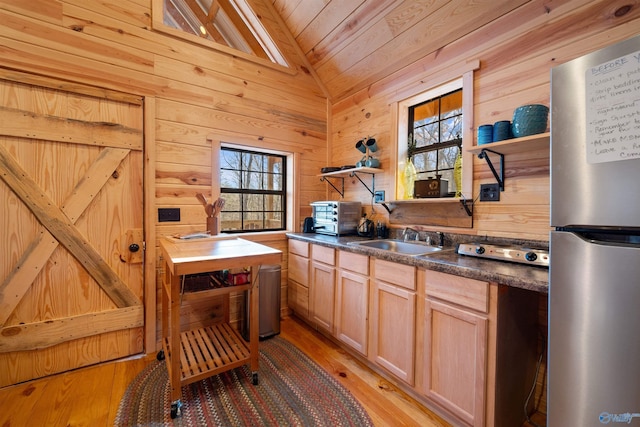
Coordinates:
x,y
196,354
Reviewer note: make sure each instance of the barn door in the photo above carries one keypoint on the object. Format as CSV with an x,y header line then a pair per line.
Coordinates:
x,y
71,249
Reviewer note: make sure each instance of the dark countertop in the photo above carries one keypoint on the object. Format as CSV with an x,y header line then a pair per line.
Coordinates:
x,y
446,261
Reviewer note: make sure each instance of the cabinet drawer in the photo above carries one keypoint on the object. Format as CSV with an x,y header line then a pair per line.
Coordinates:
x,y
357,263
466,292
299,269
299,247
323,254
394,273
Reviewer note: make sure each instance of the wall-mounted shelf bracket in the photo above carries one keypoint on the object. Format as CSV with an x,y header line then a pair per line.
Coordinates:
x,y
328,181
352,173
499,176
373,181
467,205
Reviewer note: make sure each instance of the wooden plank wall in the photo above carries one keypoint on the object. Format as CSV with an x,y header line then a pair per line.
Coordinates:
x,y
516,53
192,92
195,92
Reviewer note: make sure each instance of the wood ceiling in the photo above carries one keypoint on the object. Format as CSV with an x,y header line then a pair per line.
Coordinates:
x,y
352,44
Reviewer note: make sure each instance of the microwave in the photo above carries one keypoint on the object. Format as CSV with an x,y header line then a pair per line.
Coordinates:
x,y
336,218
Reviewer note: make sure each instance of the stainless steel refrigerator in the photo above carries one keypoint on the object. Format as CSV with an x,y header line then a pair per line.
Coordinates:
x,y
594,294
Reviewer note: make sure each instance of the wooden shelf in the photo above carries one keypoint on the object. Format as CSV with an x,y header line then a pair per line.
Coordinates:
x,y
208,351
515,145
352,172
437,200
347,172
214,292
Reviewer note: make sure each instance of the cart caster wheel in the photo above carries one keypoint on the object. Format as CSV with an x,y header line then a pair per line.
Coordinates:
x,y
176,409
254,378
160,356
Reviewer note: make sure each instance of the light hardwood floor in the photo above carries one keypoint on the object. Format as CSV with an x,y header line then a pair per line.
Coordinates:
x,y
90,396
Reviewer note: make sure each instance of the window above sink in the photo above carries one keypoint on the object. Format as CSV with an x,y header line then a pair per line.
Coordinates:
x,y
441,118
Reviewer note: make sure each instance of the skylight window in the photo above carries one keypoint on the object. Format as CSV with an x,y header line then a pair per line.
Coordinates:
x,y
230,23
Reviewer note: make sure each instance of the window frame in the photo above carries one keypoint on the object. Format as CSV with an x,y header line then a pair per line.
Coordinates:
x,y
260,192
464,81
436,146
216,140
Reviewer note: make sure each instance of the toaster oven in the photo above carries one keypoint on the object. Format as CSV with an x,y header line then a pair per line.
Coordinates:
x,y
336,218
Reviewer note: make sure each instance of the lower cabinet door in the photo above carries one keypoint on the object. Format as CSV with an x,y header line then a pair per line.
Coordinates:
x,y
455,360
322,295
298,298
352,303
393,320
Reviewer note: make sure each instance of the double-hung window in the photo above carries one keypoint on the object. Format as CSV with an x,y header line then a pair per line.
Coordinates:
x,y
435,126
253,185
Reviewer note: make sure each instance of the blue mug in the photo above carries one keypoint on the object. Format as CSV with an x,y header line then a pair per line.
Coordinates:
x,y
485,134
372,163
501,130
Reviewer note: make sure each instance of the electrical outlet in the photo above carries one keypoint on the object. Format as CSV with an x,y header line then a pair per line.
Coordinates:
x,y
378,196
489,192
168,214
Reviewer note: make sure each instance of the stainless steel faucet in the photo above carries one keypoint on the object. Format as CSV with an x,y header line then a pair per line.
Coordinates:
x,y
406,231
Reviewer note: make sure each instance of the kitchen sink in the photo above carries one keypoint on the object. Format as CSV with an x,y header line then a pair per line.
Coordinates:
x,y
398,246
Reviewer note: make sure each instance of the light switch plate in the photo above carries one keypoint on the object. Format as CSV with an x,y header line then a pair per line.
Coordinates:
x,y
378,196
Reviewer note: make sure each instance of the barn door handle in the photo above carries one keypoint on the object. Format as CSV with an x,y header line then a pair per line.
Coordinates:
x,y
134,247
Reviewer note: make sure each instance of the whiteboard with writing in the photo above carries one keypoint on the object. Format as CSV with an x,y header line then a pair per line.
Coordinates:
x,y
613,110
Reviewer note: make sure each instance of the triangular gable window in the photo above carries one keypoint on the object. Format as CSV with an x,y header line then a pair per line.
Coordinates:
x,y
230,23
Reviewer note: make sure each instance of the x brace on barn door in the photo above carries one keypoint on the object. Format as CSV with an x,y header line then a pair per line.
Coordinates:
x,y
59,224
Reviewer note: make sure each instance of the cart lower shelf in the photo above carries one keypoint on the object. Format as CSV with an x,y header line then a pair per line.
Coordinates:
x,y
207,351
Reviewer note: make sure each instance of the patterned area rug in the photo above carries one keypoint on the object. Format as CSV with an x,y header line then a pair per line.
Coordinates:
x,y
292,391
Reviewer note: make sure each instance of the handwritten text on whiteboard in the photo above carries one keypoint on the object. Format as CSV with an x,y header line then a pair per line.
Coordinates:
x,y
613,110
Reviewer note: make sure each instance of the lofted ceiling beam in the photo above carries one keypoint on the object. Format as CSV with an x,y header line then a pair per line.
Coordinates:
x,y
242,28
213,10
205,22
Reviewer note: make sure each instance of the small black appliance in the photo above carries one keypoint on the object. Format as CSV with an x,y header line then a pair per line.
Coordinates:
x,y
308,226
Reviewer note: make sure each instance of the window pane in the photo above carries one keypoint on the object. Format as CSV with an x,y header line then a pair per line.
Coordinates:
x,y
447,157
253,162
427,135
252,181
230,221
451,105
254,202
451,128
232,202
275,182
426,113
253,221
230,178
273,203
274,164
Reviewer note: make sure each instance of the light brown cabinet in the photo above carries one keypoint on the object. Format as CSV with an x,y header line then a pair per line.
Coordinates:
x,y
465,346
298,283
393,318
322,287
454,350
352,301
